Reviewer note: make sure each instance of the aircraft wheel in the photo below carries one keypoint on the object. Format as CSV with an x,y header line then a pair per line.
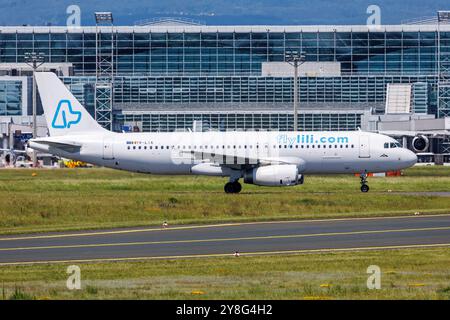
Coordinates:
x,y
232,187
229,187
364,188
237,187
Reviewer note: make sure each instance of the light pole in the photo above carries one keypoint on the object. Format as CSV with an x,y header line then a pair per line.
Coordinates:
x,y
104,69
34,60
295,59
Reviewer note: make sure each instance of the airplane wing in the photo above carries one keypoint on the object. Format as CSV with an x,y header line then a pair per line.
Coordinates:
x,y
240,161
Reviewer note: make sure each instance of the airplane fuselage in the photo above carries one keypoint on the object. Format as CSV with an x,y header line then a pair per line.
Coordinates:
x,y
172,153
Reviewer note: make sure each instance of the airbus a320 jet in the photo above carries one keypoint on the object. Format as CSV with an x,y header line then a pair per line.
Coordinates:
x,y
271,158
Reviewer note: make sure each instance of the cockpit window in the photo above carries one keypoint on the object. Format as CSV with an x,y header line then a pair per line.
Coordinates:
x,y
388,145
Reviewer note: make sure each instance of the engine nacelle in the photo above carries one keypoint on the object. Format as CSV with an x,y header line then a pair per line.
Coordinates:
x,y
420,143
274,176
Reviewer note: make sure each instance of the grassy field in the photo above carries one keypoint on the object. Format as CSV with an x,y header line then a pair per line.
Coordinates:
x,y
405,274
70,199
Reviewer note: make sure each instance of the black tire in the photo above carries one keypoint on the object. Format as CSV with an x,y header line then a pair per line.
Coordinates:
x,y
237,187
232,187
364,188
229,187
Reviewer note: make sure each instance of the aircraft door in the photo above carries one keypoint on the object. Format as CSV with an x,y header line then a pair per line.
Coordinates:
x,y
108,149
364,146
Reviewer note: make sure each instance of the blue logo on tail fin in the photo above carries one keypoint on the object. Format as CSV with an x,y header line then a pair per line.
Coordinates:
x,y
65,116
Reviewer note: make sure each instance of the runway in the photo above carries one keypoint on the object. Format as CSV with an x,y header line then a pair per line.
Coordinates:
x,y
225,239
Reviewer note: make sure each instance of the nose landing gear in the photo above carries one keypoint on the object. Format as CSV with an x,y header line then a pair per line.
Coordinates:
x,y
233,187
364,186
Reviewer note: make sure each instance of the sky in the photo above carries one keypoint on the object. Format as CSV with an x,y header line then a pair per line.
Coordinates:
x,y
224,12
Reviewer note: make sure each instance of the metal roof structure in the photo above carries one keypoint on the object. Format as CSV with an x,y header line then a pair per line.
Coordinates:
x,y
206,29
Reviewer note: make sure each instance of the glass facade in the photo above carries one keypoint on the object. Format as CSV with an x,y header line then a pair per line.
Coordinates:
x,y
144,51
326,121
420,97
10,98
168,66
361,89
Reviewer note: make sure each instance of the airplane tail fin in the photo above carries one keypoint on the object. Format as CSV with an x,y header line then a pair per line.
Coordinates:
x,y
63,112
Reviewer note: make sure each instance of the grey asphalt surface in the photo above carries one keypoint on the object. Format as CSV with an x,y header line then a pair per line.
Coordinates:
x,y
247,238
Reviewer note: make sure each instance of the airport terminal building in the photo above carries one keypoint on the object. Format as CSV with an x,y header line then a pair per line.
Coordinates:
x,y
173,75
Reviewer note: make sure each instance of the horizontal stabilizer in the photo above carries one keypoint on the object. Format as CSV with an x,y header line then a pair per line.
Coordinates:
x,y
70,147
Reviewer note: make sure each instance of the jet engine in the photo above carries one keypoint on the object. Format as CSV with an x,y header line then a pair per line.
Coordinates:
x,y
273,176
420,143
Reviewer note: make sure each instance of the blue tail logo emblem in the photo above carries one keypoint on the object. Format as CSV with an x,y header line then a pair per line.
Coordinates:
x,y
65,116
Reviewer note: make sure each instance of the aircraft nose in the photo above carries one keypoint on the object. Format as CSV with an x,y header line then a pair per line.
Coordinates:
x,y
409,158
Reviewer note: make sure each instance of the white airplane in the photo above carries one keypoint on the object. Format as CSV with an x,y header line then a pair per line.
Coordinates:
x,y
260,158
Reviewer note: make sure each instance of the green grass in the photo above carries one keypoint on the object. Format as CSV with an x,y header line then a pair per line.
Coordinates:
x,y
70,199
405,274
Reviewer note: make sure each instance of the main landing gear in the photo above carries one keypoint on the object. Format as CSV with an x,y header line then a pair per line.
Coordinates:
x,y
233,187
364,186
